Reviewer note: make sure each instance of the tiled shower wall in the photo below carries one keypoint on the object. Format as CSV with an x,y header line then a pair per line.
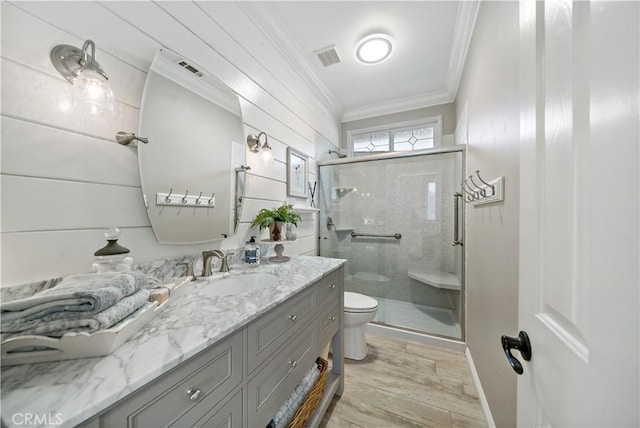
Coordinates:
x,y
388,197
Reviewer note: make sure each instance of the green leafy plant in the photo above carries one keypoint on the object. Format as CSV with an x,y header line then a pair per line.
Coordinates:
x,y
284,213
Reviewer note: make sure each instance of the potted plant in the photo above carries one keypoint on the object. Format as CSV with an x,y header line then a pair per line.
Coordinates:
x,y
275,219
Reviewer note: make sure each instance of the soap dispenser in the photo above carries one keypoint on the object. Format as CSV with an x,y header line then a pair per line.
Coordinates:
x,y
252,252
113,257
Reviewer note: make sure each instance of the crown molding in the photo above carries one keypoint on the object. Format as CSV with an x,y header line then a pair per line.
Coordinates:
x,y
465,22
397,106
293,54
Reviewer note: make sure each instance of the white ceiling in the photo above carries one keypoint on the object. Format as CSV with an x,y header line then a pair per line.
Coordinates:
x,y
431,39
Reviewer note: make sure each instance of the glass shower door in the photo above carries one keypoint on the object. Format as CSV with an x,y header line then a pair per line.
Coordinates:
x,y
393,220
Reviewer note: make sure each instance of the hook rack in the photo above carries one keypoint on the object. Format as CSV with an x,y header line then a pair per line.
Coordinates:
x,y
185,200
485,193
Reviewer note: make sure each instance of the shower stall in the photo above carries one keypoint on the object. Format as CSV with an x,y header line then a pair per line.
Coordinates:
x,y
397,219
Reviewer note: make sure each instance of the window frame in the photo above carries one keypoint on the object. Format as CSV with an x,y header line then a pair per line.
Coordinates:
x,y
436,121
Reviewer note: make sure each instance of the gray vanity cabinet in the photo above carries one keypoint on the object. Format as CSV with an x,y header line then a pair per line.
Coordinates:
x,y
269,332
185,394
273,384
329,310
227,416
329,287
243,380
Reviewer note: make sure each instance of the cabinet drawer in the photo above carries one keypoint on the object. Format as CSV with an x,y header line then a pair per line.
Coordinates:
x,y
268,333
210,376
228,416
329,321
328,287
273,384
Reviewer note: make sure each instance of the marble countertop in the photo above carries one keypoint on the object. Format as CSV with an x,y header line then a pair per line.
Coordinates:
x,y
65,393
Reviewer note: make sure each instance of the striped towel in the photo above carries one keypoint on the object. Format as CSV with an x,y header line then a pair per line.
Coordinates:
x,y
54,325
83,295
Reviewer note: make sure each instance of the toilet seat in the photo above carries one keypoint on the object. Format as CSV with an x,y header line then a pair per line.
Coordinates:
x,y
355,302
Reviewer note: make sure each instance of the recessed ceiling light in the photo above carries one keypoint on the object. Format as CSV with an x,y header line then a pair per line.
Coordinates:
x,y
374,48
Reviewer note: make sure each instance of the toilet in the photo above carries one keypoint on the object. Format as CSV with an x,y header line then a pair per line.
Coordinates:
x,y
358,311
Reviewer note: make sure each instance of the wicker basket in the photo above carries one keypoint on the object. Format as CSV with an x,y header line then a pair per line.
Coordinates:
x,y
309,404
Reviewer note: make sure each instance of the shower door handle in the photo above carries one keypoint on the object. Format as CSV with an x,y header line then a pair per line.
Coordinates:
x,y
456,214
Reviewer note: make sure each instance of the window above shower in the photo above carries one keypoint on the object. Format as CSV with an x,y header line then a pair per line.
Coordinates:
x,y
399,137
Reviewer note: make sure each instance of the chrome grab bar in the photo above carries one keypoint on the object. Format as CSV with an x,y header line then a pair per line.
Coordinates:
x,y
395,235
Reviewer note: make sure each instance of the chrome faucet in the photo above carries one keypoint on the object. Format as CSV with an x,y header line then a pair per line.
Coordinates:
x,y
206,261
189,272
224,266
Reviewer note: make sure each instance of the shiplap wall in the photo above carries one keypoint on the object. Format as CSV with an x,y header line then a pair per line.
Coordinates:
x,y
65,179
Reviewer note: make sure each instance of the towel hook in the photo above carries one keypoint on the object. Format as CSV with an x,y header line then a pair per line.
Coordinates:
x,y
470,198
198,202
493,190
474,192
482,191
167,198
184,198
211,199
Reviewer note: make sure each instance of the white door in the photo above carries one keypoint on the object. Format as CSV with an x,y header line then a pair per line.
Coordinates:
x,y
579,233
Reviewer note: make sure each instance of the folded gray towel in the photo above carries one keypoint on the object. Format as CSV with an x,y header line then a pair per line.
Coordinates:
x,y
56,327
81,295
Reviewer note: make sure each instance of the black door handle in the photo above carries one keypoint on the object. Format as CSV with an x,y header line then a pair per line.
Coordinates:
x,y
522,344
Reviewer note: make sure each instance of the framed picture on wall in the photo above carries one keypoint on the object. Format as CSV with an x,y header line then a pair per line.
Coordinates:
x,y
297,166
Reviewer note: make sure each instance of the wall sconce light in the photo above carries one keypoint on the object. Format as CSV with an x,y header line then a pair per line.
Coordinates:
x,y
253,141
81,69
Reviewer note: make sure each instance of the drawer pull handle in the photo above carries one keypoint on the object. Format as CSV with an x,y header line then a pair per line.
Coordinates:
x,y
293,317
332,286
193,393
332,318
293,363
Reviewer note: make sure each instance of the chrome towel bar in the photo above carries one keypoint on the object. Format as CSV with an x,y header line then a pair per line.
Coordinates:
x,y
395,235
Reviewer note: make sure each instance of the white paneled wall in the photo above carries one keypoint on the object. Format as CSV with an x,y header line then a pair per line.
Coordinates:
x,y
64,178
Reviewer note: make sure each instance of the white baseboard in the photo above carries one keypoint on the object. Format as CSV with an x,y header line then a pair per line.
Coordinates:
x,y
483,399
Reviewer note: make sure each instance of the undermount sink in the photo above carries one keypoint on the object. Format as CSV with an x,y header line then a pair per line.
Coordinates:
x,y
238,284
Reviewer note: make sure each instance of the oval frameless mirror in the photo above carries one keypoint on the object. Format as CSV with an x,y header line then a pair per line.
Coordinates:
x,y
190,170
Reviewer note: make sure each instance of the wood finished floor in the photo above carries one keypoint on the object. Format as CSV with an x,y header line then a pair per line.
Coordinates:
x,y
406,384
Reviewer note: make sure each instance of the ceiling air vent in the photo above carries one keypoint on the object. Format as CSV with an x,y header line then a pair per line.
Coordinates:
x,y
328,56
190,68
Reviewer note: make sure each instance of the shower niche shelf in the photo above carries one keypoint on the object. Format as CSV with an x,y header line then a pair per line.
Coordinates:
x,y
445,280
342,191
305,209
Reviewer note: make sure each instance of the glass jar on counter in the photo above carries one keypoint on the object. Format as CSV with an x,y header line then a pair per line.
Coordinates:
x,y
113,257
